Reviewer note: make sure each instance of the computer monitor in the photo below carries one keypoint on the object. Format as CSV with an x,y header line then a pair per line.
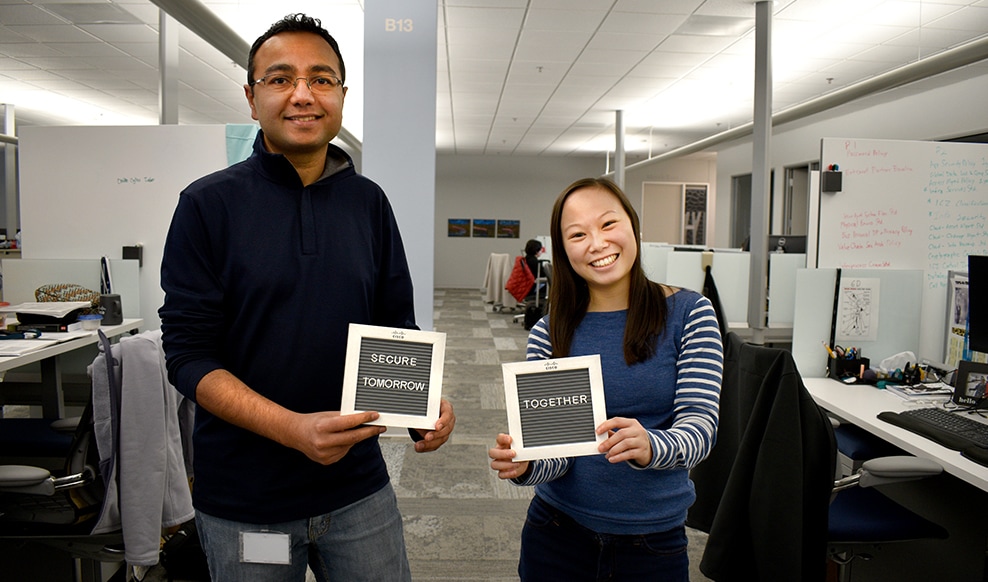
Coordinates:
x,y
977,310
779,243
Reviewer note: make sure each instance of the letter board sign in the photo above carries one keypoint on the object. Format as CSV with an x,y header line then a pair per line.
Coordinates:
x,y
396,372
554,407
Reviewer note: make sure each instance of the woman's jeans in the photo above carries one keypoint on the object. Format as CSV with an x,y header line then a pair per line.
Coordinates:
x,y
555,547
363,541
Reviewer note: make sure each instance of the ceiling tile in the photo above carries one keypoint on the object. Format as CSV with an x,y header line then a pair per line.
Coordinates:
x,y
12,15
53,33
512,75
121,32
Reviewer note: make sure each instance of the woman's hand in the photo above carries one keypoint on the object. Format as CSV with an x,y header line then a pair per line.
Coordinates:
x,y
627,440
501,459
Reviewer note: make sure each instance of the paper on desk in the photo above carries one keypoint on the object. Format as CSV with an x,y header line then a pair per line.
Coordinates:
x,y
19,347
51,308
921,391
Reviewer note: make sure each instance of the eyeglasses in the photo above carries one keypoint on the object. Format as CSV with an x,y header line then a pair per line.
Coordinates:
x,y
284,83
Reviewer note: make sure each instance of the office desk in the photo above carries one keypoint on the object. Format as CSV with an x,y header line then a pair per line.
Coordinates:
x,y
947,499
860,405
52,398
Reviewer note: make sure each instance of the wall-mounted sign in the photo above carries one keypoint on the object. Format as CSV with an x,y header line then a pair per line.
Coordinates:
x,y
554,407
396,372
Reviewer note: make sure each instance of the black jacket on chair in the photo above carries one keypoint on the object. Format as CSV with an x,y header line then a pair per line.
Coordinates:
x,y
710,477
774,464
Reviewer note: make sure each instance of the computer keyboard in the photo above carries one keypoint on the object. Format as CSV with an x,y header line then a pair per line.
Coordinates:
x,y
950,429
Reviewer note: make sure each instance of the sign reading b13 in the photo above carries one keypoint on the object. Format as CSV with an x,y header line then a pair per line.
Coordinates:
x,y
398,24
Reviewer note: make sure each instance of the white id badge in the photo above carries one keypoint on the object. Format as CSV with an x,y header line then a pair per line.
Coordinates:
x,y
265,547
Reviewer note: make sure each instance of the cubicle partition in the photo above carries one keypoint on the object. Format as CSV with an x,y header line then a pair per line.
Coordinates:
x,y
782,269
54,377
730,271
22,276
685,267
877,310
655,260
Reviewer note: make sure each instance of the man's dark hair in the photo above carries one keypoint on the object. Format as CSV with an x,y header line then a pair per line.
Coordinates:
x,y
294,23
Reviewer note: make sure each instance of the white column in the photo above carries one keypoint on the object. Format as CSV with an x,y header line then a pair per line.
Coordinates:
x,y
760,174
167,69
12,205
619,156
399,144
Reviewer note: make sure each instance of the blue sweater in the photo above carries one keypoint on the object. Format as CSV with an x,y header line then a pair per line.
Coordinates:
x,y
262,277
675,395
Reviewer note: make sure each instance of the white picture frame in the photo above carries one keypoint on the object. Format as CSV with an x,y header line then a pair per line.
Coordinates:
x,y
395,372
554,407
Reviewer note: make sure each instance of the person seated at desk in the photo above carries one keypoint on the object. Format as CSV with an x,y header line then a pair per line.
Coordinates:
x,y
540,268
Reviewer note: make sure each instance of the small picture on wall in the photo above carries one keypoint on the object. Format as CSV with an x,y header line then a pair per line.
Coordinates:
x,y
458,227
694,215
508,228
483,227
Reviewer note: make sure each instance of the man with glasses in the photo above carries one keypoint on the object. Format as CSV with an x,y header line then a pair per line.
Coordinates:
x,y
265,265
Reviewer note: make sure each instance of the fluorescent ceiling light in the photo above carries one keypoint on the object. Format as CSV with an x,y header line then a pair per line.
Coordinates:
x,y
72,111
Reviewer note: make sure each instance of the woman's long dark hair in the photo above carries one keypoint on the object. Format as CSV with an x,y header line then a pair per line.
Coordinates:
x,y
569,296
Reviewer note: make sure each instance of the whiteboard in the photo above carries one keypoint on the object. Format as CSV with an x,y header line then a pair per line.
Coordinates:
x,y
86,192
906,205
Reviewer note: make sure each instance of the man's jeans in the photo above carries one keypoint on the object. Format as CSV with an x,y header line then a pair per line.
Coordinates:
x,y
363,541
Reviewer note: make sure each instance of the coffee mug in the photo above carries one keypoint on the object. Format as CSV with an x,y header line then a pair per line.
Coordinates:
x,y
112,311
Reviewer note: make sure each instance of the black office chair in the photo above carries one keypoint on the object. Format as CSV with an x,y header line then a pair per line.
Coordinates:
x,y
767,495
60,510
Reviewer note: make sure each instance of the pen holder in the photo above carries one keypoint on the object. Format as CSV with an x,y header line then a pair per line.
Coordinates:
x,y
840,368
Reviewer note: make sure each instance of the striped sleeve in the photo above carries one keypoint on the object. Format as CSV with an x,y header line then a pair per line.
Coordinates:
x,y
697,404
541,470
539,347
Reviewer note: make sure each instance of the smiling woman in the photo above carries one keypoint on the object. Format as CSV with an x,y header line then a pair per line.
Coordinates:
x,y
661,361
600,245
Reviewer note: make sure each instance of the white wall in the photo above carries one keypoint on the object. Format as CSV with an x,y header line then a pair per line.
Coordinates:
x,y
524,188
497,187
86,192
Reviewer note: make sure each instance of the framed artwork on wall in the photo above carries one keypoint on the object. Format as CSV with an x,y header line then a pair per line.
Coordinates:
x,y
458,227
484,227
508,228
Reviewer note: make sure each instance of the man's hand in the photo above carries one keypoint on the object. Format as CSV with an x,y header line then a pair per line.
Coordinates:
x,y
433,439
326,437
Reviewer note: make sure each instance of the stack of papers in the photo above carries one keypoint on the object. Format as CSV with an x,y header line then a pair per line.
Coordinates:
x,y
935,390
56,309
